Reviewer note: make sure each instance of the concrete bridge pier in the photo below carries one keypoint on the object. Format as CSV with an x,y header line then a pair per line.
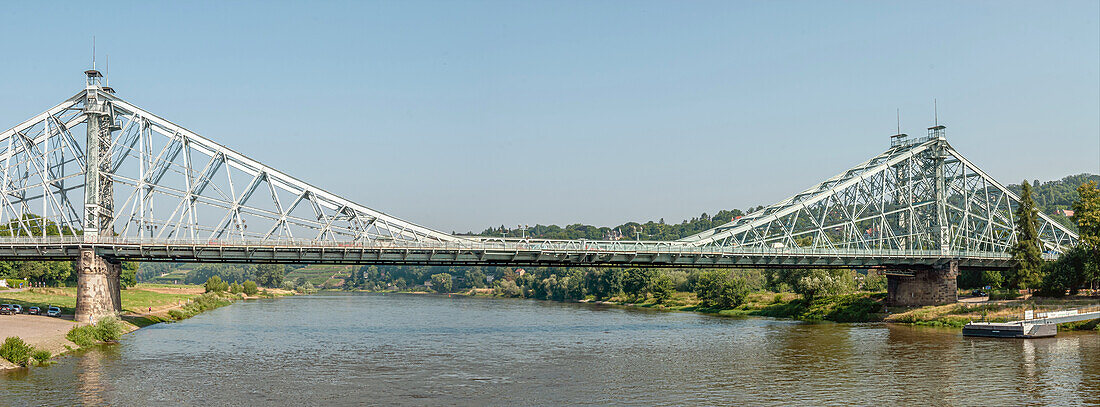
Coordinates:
x,y
98,292
936,286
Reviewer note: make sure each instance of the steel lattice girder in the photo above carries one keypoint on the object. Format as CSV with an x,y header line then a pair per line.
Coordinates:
x,y
172,183
891,202
915,203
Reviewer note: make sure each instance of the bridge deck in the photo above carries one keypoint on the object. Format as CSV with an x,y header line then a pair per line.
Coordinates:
x,y
490,252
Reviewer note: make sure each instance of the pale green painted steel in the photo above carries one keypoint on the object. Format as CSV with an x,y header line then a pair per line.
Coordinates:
x,y
183,197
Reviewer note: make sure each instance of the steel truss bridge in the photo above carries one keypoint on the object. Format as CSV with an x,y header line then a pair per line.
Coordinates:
x,y
99,173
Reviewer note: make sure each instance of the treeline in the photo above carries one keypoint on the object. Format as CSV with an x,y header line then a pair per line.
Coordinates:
x,y
720,288
651,230
266,275
1052,196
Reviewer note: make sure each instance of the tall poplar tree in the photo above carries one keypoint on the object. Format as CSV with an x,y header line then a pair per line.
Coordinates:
x,y
1029,259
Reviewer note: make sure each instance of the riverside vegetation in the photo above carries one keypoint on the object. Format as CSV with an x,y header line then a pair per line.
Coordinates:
x,y
20,353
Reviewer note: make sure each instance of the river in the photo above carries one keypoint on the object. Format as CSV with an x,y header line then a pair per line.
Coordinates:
x,y
396,349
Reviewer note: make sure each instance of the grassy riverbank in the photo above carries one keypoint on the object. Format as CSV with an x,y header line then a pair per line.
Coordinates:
x,y
958,314
139,299
867,307
858,307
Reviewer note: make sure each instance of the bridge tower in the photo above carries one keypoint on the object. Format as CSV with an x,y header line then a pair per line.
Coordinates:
x,y
98,291
938,285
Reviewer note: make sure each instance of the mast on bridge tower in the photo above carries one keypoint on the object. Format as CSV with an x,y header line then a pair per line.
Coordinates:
x,y
940,154
98,189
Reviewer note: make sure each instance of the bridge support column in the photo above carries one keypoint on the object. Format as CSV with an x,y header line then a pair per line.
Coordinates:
x,y
98,293
924,287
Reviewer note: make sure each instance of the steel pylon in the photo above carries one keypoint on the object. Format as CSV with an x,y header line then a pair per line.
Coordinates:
x,y
920,194
156,180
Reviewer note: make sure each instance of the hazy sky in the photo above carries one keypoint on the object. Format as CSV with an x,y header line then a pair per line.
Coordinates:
x,y
462,115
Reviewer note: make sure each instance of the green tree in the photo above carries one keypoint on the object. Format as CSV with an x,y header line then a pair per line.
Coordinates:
x,y
636,282
249,288
992,278
1073,270
270,275
812,283
354,280
128,278
235,288
442,282
474,278
32,270
215,284
550,289
874,282
1028,269
719,289
573,285
662,288
604,283
1086,214
508,288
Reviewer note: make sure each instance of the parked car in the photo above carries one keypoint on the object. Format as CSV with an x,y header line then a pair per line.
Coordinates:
x,y
53,311
34,311
978,293
6,309
18,308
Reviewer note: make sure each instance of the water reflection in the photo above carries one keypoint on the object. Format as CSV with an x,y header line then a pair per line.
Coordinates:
x,y
89,378
415,350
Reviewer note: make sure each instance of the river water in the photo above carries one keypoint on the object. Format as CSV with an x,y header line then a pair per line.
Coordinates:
x,y
374,349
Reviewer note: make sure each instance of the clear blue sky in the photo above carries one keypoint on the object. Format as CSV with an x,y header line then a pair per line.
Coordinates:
x,y
462,115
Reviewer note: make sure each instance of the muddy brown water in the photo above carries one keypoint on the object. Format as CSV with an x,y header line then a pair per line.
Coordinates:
x,y
374,349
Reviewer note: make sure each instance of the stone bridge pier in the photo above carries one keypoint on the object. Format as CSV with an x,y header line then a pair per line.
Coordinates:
x,y
936,286
98,292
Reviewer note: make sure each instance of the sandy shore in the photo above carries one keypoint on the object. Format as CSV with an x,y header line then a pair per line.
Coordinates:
x,y
38,331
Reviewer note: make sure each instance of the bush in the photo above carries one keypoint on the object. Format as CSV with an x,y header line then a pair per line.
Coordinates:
x,y
199,305
108,329
249,288
215,284
15,282
16,351
1004,295
662,288
442,282
508,288
41,355
235,288
718,288
873,281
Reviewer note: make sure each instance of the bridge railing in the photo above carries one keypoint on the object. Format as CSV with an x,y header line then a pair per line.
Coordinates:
x,y
549,246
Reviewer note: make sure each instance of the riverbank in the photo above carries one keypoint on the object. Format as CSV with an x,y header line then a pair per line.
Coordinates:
x,y
865,307
143,305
